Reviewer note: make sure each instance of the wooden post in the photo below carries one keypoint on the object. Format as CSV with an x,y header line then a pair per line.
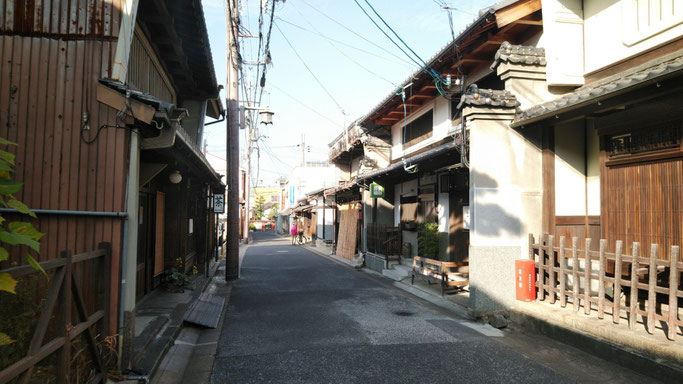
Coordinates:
x,y
601,288
651,294
64,322
563,277
575,273
551,268
635,264
587,278
541,270
617,283
673,287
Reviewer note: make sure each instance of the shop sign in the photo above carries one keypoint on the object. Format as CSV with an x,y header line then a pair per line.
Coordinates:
x,y
218,203
376,190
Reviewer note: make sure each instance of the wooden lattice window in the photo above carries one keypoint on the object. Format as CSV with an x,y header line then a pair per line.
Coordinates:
x,y
665,136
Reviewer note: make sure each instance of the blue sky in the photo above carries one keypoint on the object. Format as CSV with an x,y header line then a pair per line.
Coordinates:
x,y
358,77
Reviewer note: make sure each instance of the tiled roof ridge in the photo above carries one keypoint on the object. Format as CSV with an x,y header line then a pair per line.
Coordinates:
x,y
628,78
519,54
491,97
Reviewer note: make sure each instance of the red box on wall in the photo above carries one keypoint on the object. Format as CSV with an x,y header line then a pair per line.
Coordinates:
x,y
525,280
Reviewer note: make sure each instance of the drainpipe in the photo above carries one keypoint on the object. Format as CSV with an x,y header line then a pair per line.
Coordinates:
x,y
131,250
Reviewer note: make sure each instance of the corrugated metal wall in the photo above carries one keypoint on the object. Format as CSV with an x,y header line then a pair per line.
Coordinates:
x,y
53,52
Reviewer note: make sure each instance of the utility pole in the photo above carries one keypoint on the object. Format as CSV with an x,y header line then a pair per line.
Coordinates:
x,y
232,145
247,179
303,150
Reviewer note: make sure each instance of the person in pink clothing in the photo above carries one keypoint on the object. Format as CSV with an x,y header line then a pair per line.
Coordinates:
x,y
294,231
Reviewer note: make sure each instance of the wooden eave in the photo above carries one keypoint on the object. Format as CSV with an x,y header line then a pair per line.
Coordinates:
x,y
515,24
184,58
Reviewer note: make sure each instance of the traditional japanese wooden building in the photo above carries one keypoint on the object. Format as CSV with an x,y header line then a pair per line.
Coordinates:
x,y
106,101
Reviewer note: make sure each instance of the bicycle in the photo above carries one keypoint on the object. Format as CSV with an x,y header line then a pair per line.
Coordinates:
x,y
300,239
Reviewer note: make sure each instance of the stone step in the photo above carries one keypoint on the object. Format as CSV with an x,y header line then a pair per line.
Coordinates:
x,y
397,272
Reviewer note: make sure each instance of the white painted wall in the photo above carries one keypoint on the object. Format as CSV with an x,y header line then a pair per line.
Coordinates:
x,y
563,32
593,179
442,124
570,165
585,36
443,209
506,183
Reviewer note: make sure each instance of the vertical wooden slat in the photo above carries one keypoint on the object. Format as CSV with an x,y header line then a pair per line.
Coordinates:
x,y
652,283
551,268
563,274
45,315
575,273
673,287
633,315
541,270
601,288
587,278
617,283
64,322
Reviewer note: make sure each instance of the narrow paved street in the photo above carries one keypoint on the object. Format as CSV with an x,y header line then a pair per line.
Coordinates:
x,y
297,317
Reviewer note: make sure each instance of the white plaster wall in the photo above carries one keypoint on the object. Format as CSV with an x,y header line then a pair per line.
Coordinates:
x,y
563,41
506,186
397,204
443,212
355,166
615,30
505,205
570,165
381,155
442,123
593,179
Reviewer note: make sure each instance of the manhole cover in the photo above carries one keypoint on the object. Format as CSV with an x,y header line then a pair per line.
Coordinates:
x,y
403,313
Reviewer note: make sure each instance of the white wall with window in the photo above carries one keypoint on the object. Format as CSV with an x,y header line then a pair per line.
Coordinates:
x,y
424,127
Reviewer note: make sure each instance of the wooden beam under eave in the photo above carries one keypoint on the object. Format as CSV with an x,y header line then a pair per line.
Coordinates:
x,y
413,97
466,60
529,22
516,11
386,121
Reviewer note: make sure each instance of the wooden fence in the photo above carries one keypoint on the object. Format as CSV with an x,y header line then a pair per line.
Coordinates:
x,y
64,292
383,239
632,276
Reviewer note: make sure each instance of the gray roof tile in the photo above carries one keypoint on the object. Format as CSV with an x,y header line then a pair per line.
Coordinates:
x,y
634,77
519,54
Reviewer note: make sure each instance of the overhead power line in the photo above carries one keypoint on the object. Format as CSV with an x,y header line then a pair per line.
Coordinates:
x,y
310,71
356,33
425,67
343,43
347,56
306,106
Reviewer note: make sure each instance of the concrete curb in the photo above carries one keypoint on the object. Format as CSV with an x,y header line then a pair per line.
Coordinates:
x,y
183,352
635,360
615,342
155,353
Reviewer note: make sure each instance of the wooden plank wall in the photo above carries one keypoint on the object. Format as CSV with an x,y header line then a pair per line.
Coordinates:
x,y
348,230
575,226
53,53
644,203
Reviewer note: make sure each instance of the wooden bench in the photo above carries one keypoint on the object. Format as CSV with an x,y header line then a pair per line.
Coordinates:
x,y
441,272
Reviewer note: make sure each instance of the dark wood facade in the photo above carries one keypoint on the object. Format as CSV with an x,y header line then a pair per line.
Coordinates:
x,y
53,53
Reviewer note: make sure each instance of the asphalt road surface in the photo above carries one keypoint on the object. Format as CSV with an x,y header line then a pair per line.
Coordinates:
x,y
298,317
